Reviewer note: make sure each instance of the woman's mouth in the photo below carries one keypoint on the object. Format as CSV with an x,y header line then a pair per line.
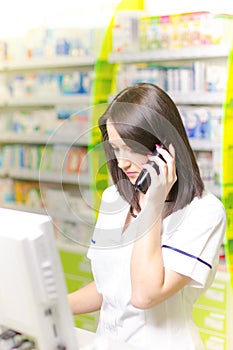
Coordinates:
x,y
131,173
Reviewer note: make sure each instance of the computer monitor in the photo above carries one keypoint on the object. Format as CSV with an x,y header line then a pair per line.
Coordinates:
x,y
33,295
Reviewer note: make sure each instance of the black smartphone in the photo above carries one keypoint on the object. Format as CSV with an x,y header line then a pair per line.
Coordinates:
x,y
143,181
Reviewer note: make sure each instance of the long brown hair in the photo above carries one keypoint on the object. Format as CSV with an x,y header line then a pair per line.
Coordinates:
x,y
144,115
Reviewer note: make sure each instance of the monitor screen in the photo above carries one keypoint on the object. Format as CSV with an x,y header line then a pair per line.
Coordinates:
x,y
33,292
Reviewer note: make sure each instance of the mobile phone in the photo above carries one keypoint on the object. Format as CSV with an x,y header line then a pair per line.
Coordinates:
x,y
143,181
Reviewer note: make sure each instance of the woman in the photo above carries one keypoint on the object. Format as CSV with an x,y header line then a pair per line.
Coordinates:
x,y
153,254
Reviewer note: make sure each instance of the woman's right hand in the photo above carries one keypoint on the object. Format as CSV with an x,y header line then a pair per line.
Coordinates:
x,y
161,183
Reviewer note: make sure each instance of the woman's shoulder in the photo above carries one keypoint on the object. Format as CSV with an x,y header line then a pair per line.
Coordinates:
x,y
207,208
208,201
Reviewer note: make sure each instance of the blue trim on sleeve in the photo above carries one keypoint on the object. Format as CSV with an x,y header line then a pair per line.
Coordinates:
x,y
187,254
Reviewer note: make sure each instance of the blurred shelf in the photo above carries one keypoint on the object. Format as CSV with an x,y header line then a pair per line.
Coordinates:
x,y
48,62
186,53
193,98
47,176
204,145
198,98
26,138
62,216
47,100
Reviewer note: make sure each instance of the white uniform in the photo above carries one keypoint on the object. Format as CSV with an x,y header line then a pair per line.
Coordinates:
x,y
190,244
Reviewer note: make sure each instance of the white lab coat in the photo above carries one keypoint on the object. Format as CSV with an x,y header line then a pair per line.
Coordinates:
x,y
191,239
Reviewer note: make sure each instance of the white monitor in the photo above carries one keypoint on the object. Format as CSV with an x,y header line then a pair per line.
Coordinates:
x,y
32,288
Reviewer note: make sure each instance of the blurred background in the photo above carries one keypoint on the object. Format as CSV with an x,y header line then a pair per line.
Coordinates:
x,y
60,61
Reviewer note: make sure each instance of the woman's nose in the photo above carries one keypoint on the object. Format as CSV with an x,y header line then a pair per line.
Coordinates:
x,y
123,162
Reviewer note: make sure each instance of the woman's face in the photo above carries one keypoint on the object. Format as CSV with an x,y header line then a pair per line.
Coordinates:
x,y
128,160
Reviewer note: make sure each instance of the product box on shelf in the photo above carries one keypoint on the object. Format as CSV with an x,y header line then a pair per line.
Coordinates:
x,y
35,84
50,43
125,33
28,194
198,77
7,194
185,30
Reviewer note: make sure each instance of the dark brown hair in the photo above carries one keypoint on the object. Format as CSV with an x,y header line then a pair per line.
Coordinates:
x,y
144,115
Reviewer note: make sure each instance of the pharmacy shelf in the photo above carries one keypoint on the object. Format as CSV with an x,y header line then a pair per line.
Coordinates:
x,y
186,53
74,136
40,139
198,98
213,98
47,176
21,207
48,62
182,54
47,100
204,145
63,216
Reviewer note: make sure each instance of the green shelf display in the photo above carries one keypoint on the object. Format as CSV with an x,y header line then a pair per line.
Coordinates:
x,y
227,165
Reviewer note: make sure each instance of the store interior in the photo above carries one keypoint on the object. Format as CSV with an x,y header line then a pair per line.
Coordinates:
x,y
60,65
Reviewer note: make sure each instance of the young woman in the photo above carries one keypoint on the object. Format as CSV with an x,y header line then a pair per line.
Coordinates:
x,y
153,252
